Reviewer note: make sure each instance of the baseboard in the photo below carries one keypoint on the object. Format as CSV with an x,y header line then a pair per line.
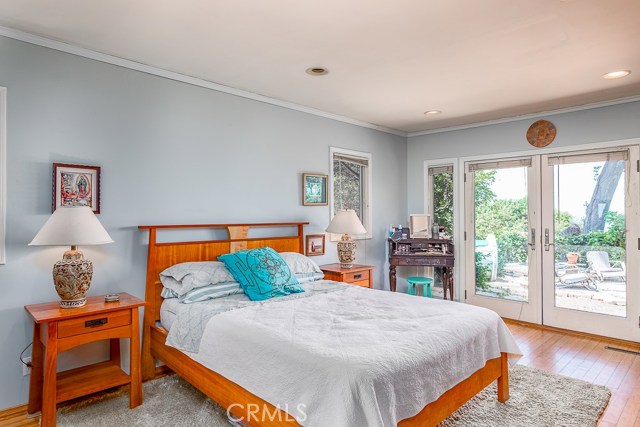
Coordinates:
x,y
17,417
618,341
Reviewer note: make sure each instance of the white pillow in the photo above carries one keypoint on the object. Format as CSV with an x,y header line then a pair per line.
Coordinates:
x,y
182,278
299,263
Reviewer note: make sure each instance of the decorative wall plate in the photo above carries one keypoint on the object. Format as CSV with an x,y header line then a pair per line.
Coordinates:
x,y
541,133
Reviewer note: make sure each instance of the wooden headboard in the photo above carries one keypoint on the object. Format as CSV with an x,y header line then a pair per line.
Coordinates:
x,y
165,254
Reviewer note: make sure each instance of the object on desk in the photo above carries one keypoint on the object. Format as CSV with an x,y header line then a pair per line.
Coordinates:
x,y
435,231
112,298
396,236
419,225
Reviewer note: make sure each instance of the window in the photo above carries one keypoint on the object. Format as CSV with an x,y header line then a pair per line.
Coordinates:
x,y
440,196
350,182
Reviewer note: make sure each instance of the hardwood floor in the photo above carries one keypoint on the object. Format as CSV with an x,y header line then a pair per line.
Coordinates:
x,y
585,358
573,355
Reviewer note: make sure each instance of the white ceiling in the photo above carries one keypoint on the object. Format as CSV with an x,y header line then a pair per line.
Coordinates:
x,y
389,61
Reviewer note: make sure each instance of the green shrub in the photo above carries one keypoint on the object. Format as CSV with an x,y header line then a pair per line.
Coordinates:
x,y
483,272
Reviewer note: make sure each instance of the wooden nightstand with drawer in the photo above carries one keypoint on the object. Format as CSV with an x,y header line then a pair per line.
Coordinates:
x,y
60,329
360,275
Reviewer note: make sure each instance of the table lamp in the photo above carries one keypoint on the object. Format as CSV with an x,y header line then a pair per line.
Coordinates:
x,y
72,226
346,222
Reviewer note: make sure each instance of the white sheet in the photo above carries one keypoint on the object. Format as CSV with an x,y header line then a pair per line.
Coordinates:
x,y
354,358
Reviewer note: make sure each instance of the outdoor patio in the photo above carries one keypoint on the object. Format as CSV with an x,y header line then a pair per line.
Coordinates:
x,y
609,298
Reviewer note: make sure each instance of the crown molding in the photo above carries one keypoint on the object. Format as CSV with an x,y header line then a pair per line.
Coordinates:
x,y
137,66
528,116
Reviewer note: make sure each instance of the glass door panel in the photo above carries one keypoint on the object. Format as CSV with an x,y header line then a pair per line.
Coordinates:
x,y
589,237
590,224
501,250
501,233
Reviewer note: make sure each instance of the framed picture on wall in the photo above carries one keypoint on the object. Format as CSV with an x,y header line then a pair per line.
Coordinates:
x,y
76,185
314,189
315,244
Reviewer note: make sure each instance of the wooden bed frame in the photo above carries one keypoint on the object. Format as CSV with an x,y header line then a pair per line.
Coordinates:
x,y
227,393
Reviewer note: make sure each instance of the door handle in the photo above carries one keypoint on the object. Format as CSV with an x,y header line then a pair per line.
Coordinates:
x,y
532,240
546,240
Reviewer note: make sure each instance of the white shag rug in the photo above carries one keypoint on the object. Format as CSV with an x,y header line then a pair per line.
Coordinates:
x,y
537,399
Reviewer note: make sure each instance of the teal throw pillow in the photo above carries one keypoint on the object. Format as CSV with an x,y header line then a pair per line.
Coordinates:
x,y
262,273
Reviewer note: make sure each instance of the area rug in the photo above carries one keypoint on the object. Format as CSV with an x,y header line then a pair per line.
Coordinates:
x,y
538,399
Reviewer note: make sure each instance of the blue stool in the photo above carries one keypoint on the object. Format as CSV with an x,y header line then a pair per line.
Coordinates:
x,y
424,281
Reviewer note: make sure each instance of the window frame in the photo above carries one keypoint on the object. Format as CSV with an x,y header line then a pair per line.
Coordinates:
x,y
428,195
366,194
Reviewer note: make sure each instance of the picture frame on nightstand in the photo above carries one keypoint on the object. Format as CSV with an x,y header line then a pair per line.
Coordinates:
x,y
315,244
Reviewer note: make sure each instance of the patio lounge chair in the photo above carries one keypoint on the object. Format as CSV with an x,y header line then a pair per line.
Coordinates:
x,y
599,263
576,279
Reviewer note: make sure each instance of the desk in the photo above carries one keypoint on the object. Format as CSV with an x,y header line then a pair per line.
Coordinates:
x,y
423,253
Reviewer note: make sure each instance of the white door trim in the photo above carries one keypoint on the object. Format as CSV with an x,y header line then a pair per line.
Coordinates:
x,y
458,282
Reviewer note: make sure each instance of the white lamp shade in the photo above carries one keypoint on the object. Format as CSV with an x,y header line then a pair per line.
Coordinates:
x,y
346,222
69,226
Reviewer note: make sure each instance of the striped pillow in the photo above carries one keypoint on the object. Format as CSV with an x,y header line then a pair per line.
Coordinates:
x,y
309,277
219,290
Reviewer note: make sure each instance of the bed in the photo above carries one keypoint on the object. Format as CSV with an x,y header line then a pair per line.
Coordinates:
x,y
228,393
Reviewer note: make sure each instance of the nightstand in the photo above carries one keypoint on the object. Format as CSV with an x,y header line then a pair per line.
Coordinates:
x,y
57,330
360,275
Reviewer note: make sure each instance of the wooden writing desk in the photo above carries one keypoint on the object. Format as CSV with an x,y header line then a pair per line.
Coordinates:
x,y
423,253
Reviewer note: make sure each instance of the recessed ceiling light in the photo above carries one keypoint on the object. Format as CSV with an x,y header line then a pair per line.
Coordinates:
x,y
432,112
616,74
317,71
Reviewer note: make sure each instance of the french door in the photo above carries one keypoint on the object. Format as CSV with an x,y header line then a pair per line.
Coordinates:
x,y
502,210
554,239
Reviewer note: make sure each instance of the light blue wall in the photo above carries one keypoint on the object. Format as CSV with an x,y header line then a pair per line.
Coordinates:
x,y
611,123
170,153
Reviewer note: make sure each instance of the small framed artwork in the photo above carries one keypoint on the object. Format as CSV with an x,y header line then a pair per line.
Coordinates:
x,y
315,244
76,185
314,189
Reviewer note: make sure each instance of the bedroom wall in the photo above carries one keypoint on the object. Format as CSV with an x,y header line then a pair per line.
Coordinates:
x,y
170,153
612,123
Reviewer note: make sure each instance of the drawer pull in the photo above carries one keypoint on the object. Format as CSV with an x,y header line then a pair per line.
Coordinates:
x,y
96,322
357,276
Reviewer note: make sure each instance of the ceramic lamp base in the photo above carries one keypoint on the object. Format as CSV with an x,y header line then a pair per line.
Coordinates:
x,y
346,251
72,278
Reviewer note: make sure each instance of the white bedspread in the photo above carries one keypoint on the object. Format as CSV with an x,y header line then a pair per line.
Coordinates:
x,y
355,357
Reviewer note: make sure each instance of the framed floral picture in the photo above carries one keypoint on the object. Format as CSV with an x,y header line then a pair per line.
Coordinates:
x,y
76,185
314,189
315,244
